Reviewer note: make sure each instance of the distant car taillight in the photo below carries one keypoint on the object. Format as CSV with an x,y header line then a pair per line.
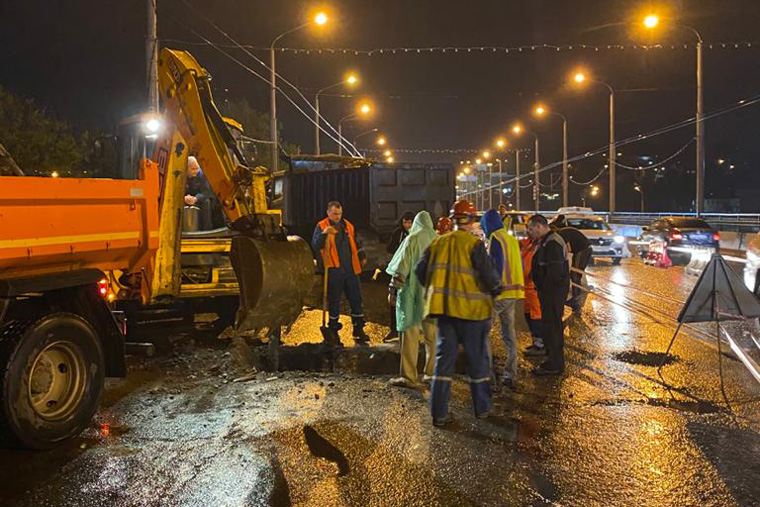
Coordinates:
x,y
716,236
103,287
676,235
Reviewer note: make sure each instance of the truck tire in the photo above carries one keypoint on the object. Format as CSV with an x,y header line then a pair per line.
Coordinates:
x,y
52,373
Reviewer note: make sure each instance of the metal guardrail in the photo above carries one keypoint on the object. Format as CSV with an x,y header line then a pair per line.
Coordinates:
x,y
739,222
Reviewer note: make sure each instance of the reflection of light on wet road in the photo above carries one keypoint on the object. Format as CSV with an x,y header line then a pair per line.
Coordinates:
x,y
306,330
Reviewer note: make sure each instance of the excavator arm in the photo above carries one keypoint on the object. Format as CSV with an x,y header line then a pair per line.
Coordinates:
x,y
274,271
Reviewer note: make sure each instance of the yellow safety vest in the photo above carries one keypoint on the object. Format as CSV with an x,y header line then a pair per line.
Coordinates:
x,y
512,273
452,284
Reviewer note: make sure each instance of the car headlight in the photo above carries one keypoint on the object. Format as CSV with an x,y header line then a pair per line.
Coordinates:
x,y
619,239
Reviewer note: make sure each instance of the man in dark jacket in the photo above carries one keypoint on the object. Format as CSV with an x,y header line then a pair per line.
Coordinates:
x,y
552,279
581,249
398,236
198,193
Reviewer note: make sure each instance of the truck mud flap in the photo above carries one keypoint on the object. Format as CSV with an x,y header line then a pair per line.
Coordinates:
x,y
275,278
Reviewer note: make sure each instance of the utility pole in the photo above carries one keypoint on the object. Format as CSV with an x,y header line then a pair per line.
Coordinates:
x,y
700,134
151,50
536,181
613,152
517,181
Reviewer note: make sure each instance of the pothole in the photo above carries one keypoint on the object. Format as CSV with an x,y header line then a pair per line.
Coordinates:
x,y
645,358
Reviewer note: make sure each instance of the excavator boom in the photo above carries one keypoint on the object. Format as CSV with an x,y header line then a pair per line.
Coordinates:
x,y
274,271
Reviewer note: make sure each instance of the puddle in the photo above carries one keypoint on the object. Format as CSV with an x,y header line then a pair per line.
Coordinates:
x,y
644,358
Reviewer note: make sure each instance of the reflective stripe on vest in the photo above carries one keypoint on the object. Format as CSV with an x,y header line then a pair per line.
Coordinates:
x,y
511,273
452,283
333,259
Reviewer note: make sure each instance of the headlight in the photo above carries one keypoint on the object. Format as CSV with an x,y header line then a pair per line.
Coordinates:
x,y
619,239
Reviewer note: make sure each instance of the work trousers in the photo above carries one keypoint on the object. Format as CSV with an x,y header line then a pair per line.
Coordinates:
x,y
410,349
534,325
552,328
338,283
505,309
474,336
578,277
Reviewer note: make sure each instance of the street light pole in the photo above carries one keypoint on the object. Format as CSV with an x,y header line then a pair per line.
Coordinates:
x,y
700,132
490,185
536,182
640,190
501,183
151,47
517,176
613,151
565,171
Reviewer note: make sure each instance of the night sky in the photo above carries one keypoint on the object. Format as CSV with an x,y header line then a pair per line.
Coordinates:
x,y
84,61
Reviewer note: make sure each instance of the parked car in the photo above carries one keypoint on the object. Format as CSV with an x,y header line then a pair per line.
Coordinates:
x,y
682,235
752,267
605,242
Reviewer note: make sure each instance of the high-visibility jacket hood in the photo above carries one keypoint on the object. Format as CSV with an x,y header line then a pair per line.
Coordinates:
x,y
491,222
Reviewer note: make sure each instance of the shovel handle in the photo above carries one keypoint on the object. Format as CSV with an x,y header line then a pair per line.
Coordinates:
x,y
324,287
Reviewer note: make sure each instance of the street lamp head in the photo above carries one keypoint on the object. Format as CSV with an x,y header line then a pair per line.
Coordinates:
x,y
501,143
387,153
517,129
467,170
381,141
352,79
365,109
478,161
579,77
389,160
651,21
486,154
320,19
540,110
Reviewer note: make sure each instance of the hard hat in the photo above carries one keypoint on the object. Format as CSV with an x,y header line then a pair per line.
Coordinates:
x,y
444,225
463,209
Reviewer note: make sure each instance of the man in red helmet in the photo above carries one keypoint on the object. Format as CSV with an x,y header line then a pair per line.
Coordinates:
x,y
460,283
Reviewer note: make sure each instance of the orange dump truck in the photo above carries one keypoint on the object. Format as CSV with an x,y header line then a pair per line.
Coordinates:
x,y
58,337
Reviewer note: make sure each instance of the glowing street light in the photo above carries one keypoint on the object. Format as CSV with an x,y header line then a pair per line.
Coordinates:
x,y
542,111
381,141
389,160
651,21
486,154
478,161
319,19
387,153
580,78
364,109
501,143
350,80
519,129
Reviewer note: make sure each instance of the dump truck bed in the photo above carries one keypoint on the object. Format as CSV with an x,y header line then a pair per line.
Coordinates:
x,y
50,225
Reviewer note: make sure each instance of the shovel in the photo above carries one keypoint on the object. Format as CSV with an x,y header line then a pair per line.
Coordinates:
x,y
329,336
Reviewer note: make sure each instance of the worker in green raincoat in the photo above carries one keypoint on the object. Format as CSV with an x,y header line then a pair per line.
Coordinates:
x,y
409,295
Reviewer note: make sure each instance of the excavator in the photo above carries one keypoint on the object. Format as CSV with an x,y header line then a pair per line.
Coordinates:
x,y
73,250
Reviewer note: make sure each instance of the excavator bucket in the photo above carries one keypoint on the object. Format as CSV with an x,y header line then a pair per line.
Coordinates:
x,y
275,278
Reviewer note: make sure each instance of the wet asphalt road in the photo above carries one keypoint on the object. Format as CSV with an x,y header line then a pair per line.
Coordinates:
x,y
179,432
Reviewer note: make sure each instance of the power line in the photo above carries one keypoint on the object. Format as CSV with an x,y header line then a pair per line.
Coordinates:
x,y
237,45
389,51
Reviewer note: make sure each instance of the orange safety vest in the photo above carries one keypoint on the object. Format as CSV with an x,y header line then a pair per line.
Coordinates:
x,y
531,304
332,258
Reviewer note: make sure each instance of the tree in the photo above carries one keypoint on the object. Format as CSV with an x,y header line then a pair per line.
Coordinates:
x,y
38,142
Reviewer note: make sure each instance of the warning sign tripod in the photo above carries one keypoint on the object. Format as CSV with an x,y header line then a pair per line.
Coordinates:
x,y
718,296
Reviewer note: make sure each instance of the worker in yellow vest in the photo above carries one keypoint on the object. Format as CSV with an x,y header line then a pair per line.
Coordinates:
x,y
460,284
335,240
505,254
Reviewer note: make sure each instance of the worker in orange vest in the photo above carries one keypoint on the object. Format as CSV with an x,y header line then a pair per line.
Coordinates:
x,y
335,240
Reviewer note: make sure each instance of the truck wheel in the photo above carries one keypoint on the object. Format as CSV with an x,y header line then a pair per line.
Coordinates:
x,y
616,261
51,376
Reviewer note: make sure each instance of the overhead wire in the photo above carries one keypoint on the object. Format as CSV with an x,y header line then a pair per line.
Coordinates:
x,y
347,145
